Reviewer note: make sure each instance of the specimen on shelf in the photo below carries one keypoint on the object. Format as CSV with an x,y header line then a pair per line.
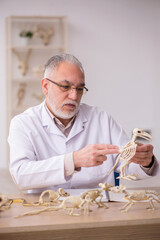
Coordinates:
x,y
23,62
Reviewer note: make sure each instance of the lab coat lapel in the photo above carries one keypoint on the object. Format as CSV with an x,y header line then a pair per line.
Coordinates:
x,y
49,123
78,125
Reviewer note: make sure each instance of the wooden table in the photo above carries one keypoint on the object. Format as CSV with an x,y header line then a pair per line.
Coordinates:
x,y
138,223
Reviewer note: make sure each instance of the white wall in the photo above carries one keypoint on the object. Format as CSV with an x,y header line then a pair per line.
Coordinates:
x,y
118,43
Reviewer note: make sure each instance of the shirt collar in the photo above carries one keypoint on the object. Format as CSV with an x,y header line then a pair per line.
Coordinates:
x,y
57,121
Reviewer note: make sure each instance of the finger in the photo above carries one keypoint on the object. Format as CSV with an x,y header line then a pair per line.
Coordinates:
x,y
142,162
108,151
106,146
142,158
144,148
141,155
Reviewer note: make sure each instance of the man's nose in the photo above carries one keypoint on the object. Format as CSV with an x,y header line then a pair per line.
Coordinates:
x,y
73,93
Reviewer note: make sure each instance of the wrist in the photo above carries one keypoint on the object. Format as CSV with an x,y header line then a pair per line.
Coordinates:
x,y
150,164
76,161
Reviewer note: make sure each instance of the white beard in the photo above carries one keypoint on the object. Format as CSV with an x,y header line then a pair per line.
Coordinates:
x,y
61,114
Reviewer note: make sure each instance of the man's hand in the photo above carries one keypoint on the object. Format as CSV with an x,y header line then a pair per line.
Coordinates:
x,y
144,154
93,155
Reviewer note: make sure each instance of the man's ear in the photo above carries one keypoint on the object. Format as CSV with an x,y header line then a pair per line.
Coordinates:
x,y
45,85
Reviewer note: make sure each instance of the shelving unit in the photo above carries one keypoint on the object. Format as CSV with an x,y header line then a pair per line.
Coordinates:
x,y
26,59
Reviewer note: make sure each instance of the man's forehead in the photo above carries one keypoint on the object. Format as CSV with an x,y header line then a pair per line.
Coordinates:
x,y
66,69
65,81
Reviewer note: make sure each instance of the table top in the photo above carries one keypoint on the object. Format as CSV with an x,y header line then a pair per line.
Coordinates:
x,y
56,220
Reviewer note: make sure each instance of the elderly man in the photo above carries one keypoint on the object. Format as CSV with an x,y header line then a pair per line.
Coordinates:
x,y
62,143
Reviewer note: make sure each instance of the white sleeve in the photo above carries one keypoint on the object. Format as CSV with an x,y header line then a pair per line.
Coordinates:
x,y
28,171
68,164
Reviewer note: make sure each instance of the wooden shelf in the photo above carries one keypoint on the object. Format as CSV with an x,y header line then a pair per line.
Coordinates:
x,y
40,47
28,87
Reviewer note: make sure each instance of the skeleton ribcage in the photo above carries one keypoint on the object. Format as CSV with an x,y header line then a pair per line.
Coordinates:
x,y
128,152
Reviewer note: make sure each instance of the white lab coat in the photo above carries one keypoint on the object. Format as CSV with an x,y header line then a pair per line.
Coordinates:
x,y
37,148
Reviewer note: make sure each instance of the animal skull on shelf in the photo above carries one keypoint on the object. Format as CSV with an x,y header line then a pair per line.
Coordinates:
x,y
22,63
21,93
44,33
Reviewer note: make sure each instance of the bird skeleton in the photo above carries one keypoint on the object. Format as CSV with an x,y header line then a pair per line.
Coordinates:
x,y
128,151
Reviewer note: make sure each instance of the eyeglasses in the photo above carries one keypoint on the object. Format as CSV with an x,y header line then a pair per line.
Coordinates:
x,y
65,88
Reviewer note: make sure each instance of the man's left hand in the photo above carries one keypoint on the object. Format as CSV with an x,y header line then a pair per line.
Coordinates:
x,y
144,154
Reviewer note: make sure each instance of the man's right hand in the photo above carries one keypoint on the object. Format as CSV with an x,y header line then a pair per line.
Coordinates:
x,y
93,155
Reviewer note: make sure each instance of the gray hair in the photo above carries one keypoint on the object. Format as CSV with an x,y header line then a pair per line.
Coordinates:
x,y
54,61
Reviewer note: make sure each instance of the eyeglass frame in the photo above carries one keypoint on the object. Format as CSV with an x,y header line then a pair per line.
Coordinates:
x,y
71,88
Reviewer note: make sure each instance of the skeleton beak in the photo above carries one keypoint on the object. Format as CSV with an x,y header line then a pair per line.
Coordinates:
x,y
145,135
